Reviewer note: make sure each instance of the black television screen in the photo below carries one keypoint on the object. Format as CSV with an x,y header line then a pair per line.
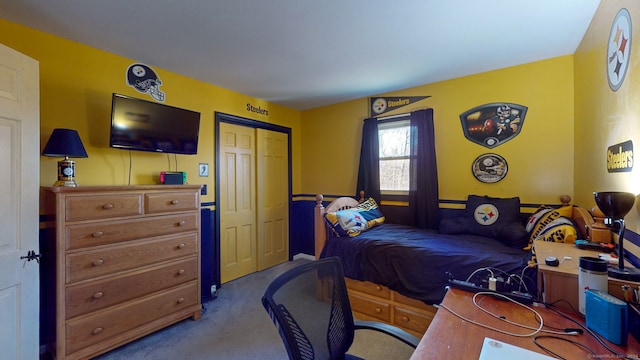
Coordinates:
x,y
143,125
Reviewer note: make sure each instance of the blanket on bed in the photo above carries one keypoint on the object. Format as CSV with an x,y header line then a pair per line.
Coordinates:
x,y
418,262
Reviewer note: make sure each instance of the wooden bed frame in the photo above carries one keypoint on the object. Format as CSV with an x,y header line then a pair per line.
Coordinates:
x,y
370,301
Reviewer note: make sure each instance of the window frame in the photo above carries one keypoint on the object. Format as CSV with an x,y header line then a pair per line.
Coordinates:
x,y
395,195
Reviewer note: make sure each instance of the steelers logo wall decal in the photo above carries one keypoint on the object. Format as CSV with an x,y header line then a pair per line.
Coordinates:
x,y
619,49
489,168
379,106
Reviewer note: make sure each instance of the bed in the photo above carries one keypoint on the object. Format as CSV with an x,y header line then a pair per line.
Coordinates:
x,y
395,273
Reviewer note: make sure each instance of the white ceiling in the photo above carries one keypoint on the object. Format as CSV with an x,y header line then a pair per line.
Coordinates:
x,y
304,54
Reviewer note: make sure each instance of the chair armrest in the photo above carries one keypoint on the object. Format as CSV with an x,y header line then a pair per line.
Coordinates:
x,y
391,330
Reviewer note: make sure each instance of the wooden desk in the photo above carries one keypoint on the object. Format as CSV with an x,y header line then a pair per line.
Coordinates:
x,y
561,282
450,337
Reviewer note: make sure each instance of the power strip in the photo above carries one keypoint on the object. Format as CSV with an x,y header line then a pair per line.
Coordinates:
x,y
471,287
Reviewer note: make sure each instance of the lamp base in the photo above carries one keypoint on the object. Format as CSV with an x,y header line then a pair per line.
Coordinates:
x,y
66,173
627,273
71,183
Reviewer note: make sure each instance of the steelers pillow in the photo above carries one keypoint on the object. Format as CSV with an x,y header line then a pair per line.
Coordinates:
x,y
488,215
352,222
549,224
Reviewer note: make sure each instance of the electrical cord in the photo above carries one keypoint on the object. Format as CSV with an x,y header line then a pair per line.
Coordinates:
x,y
535,330
538,318
547,350
595,336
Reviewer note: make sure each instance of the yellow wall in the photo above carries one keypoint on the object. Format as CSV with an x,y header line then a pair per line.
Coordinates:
x,y
76,83
540,158
605,117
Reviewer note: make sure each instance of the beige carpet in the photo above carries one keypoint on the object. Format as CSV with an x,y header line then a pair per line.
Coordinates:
x,y
236,326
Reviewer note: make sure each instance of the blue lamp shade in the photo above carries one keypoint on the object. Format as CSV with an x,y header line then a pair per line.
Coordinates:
x,y
66,143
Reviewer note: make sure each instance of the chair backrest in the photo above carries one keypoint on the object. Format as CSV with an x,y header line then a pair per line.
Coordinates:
x,y
310,307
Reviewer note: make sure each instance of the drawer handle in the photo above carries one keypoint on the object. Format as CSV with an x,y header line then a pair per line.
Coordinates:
x,y
174,202
97,262
181,272
97,330
98,295
181,300
181,245
182,223
97,234
378,310
405,319
107,206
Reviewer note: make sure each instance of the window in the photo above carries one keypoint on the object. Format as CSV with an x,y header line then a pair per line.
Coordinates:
x,y
394,150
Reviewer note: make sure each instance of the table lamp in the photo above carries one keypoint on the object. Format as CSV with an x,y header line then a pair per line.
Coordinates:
x,y
615,205
67,143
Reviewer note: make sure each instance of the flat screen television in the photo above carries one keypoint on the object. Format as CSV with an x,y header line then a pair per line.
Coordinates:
x,y
143,125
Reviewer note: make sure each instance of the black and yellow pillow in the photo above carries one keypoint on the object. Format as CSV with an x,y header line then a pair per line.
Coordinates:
x,y
550,224
488,215
352,222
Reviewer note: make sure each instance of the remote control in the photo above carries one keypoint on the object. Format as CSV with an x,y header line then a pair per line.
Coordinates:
x,y
596,246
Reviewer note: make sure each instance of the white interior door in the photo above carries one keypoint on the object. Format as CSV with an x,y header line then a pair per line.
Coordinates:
x,y
19,179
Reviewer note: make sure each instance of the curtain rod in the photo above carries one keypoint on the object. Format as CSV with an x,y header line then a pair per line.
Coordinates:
x,y
393,116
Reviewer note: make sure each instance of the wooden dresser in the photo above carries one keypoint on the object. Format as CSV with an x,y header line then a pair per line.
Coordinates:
x,y
127,263
375,302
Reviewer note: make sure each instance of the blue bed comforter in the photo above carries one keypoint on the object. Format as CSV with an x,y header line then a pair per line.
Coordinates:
x,y
416,262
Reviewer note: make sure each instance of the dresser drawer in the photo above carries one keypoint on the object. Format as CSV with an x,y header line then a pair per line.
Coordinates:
x,y
102,325
411,320
102,206
95,295
370,307
93,263
368,288
108,232
166,202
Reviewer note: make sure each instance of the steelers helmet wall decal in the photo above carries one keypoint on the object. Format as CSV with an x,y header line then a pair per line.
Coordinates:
x,y
142,78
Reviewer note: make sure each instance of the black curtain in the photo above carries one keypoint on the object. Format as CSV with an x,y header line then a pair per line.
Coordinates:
x,y
369,169
423,185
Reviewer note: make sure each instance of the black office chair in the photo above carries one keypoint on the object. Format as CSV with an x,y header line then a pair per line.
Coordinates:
x,y
310,307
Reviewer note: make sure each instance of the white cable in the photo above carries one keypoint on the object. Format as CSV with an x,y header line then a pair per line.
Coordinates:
x,y
480,269
535,330
539,328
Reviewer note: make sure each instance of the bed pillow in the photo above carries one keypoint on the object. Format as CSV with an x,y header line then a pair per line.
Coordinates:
x,y
487,215
453,225
352,222
514,234
550,224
